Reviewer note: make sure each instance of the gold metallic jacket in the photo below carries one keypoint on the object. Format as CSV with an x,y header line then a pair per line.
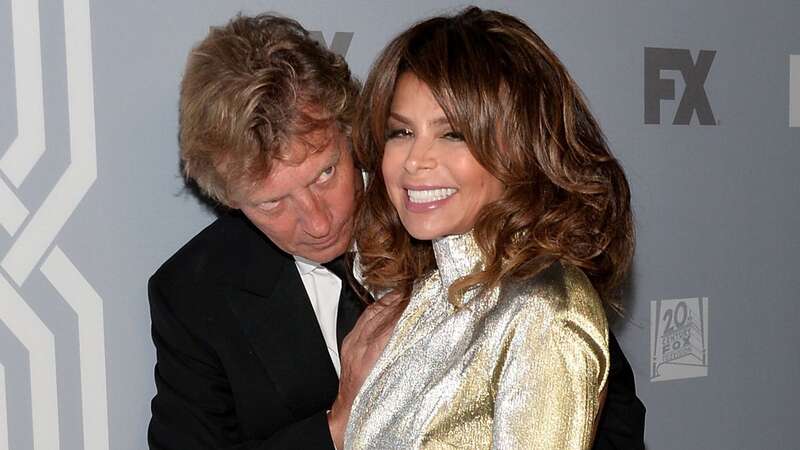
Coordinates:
x,y
520,367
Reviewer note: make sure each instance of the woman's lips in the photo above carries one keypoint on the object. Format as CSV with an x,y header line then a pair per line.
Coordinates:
x,y
421,199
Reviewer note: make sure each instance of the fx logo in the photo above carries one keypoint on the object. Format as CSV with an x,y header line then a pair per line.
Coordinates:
x,y
678,339
694,73
340,43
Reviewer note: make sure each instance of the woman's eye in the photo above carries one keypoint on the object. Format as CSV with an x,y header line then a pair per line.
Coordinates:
x,y
453,136
326,174
398,133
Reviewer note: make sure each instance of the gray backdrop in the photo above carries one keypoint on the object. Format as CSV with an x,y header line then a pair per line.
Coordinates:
x,y
700,101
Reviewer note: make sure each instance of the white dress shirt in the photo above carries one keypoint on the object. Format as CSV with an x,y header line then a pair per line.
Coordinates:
x,y
323,288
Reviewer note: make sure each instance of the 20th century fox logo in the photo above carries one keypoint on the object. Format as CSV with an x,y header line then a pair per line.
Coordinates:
x,y
679,338
659,86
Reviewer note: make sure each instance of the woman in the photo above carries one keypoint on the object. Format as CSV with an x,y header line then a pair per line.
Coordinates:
x,y
496,209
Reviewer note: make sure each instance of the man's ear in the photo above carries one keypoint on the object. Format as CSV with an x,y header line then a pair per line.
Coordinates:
x,y
233,199
230,203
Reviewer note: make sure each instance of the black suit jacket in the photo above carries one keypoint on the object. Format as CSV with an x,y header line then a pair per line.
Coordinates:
x,y
241,361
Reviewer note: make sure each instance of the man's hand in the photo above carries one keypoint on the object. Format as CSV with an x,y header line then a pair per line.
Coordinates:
x,y
360,350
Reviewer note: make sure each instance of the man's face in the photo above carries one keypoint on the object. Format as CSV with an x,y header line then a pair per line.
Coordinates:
x,y
307,209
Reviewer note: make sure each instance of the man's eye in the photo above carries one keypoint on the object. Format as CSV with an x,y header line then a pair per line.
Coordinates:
x,y
398,133
269,206
326,174
453,136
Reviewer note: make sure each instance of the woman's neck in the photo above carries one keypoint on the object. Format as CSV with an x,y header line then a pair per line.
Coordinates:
x,y
457,256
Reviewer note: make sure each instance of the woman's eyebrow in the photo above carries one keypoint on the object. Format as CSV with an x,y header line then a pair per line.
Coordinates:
x,y
439,121
399,117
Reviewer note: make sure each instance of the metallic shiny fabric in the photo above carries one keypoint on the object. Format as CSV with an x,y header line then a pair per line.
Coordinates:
x,y
522,366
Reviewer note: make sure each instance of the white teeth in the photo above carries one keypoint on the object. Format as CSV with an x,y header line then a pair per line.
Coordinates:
x,y
431,195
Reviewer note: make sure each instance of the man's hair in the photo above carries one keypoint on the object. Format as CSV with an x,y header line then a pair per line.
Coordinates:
x,y
524,120
249,88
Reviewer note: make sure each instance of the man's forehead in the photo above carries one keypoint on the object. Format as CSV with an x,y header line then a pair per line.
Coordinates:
x,y
301,148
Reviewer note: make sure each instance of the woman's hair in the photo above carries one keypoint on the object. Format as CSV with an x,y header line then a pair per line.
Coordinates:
x,y
249,87
525,121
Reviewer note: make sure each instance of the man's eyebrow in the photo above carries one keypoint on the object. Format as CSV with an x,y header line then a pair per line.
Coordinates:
x,y
333,160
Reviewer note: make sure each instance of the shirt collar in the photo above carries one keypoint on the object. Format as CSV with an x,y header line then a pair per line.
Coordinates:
x,y
305,266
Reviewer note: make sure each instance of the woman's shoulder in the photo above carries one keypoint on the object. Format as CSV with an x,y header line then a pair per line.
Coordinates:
x,y
558,314
561,294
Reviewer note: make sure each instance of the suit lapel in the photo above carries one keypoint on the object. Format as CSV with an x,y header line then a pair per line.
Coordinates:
x,y
276,316
350,307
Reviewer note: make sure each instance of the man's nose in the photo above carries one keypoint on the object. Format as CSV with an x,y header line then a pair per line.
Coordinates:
x,y
314,215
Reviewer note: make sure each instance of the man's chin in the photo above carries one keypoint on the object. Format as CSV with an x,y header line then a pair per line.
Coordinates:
x,y
326,254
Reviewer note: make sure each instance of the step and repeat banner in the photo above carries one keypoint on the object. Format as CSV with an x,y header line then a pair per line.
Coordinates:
x,y
699,100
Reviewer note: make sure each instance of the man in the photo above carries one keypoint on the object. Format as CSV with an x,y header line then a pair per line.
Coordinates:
x,y
248,324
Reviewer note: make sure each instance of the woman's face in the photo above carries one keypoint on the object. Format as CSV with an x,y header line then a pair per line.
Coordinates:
x,y
433,181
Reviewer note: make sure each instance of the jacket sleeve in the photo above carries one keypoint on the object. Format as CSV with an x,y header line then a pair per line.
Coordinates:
x,y
550,383
621,423
194,407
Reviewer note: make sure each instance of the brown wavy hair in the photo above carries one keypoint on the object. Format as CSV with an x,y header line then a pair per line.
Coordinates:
x,y
249,87
524,120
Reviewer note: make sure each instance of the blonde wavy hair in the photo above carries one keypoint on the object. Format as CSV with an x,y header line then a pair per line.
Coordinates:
x,y
249,87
